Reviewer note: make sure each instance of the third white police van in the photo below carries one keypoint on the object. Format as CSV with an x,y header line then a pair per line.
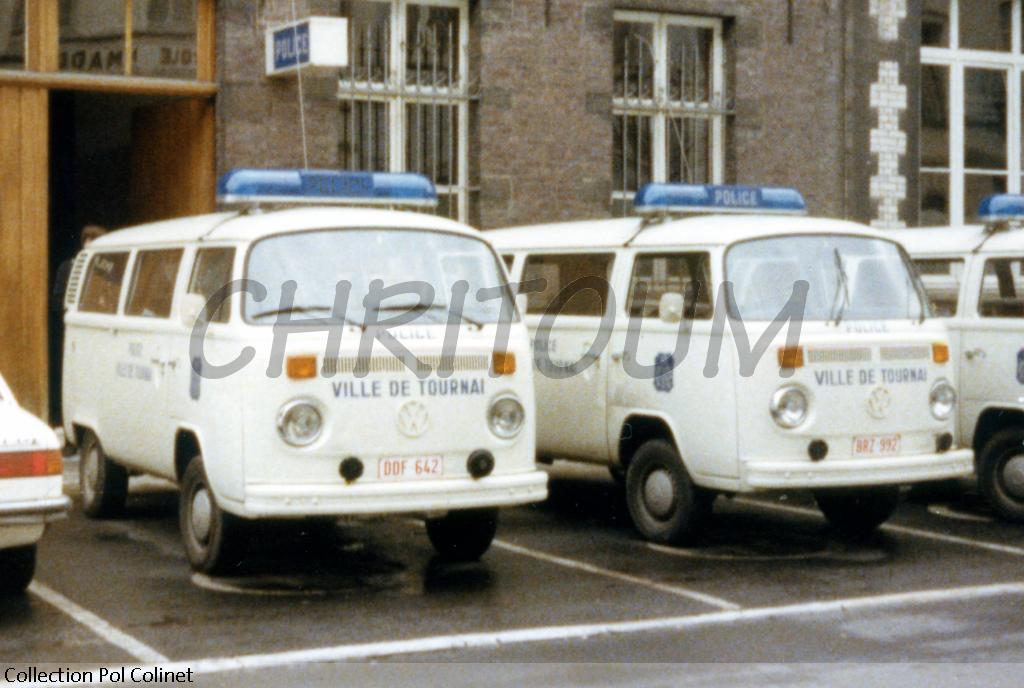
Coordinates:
x,y
974,278
856,403
180,362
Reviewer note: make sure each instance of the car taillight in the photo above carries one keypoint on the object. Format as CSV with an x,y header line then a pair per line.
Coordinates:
x,y
30,464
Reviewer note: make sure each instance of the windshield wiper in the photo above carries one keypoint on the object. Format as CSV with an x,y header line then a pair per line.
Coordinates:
x,y
306,309
842,290
423,307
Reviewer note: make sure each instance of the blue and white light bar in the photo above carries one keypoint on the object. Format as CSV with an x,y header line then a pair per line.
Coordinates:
x,y
1002,208
663,199
248,186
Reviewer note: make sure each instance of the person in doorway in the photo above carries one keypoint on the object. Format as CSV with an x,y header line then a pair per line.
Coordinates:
x,y
60,286
60,283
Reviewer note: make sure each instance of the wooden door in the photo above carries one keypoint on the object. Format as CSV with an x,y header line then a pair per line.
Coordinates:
x,y
24,238
172,160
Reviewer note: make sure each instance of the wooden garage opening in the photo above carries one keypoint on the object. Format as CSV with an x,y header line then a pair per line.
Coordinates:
x,y
142,72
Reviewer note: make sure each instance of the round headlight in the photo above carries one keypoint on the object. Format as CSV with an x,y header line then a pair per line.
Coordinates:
x,y
506,417
789,407
942,400
299,423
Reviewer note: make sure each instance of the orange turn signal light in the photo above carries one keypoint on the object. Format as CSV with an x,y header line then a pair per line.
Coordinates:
x,y
31,464
504,363
791,357
940,353
301,367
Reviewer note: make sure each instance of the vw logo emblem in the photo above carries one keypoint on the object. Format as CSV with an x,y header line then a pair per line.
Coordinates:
x,y
413,419
879,402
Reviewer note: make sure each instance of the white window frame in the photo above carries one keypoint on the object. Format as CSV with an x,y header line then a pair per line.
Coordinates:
x,y
957,60
396,93
660,109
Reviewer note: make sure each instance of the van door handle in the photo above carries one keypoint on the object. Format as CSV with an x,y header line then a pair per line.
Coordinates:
x,y
975,354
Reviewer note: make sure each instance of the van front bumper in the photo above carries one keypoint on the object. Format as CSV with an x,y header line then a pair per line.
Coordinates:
x,y
378,498
896,470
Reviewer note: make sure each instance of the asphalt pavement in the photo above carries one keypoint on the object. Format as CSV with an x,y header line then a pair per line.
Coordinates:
x,y
568,595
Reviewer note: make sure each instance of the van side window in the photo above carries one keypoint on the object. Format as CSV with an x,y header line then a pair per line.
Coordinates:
x,y
152,289
103,283
942,278
687,274
211,271
563,294
1002,289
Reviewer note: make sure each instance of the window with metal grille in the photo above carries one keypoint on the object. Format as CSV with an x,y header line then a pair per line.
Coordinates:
x,y
404,97
668,104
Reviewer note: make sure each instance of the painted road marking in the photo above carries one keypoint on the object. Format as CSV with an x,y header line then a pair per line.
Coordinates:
x,y
111,634
617,575
944,511
902,530
491,640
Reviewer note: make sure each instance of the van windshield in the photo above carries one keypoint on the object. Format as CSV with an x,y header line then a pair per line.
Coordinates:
x,y
319,260
849,278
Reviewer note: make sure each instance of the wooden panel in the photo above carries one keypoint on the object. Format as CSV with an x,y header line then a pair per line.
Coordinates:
x,y
206,49
42,45
172,160
74,81
24,238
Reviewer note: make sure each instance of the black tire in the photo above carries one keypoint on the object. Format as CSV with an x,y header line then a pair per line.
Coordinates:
x,y
858,512
17,567
663,502
463,535
103,483
215,541
1001,474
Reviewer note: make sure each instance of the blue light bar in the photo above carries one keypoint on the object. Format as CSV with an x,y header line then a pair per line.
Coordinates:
x,y
1002,208
712,198
325,187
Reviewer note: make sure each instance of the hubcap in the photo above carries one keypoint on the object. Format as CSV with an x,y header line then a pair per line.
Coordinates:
x,y
659,493
1013,476
202,514
91,472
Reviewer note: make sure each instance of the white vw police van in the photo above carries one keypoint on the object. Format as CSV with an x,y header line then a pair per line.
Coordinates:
x,y
273,364
648,369
974,279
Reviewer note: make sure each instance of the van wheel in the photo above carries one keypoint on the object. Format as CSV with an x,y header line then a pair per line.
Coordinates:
x,y
103,483
858,512
663,502
1001,474
18,565
214,539
463,535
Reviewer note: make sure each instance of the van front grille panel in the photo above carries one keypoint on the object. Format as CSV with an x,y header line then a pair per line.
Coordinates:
x,y
389,363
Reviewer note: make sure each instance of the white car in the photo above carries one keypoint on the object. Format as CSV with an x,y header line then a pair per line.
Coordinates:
x,y
31,483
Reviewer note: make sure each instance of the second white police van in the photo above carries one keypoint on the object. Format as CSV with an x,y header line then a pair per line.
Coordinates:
x,y
720,343
975,279
303,363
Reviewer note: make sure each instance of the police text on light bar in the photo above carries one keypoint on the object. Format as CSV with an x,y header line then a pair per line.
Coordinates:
x,y
711,198
247,186
1002,208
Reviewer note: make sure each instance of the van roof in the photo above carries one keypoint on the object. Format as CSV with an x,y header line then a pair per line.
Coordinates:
x,y
957,240
247,227
703,230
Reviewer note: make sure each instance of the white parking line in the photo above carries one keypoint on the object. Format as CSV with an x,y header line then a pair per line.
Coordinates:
x,y
490,640
892,528
111,634
711,600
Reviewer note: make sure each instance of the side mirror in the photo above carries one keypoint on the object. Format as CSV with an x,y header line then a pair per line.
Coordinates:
x,y
191,308
670,307
521,301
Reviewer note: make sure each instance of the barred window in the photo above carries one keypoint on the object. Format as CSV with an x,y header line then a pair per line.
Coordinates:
x,y
404,97
667,104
